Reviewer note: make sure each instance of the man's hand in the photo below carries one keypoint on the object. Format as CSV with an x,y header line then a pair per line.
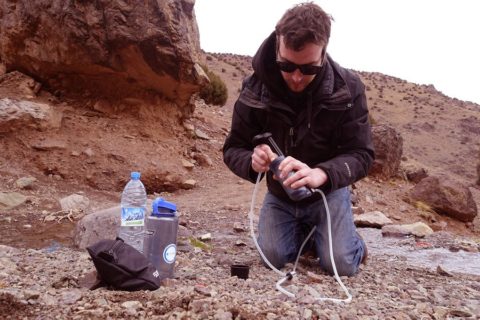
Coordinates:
x,y
262,157
303,176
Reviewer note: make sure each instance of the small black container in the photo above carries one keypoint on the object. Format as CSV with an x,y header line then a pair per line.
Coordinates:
x,y
239,270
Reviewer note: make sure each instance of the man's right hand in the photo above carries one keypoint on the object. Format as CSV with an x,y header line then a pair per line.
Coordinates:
x,y
262,157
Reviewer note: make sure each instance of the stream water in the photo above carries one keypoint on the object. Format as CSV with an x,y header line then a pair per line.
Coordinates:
x,y
404,249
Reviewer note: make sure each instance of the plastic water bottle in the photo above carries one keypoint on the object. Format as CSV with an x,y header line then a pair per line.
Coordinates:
x,y
133,206
160,245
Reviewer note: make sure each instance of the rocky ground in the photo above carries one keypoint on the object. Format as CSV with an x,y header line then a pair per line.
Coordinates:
x,y
90,153
47,284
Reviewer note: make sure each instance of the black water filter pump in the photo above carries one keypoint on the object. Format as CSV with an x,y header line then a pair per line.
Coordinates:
x,y
294,194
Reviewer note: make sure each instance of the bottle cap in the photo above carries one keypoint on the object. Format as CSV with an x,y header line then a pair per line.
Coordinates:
x,y
162,208
135,175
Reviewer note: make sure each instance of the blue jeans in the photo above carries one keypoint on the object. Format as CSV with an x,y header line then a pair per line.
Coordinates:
x,y
283,227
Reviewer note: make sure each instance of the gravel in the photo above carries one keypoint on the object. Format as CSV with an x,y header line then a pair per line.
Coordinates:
x,y
47,285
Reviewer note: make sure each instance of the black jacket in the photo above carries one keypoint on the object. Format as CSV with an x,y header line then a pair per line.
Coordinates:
x,y
326,126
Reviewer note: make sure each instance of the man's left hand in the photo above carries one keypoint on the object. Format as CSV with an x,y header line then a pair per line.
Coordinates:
x,y
303,176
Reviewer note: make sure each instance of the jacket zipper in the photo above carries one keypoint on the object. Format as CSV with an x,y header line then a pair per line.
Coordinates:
x,y
292,139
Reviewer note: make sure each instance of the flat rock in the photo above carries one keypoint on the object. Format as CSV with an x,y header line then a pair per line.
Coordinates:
x,y
418,229
9,200
373,219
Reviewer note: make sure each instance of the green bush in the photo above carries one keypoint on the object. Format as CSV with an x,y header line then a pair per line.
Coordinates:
x,y
215,92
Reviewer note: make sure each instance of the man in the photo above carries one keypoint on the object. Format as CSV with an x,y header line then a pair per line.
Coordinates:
x,y
317,114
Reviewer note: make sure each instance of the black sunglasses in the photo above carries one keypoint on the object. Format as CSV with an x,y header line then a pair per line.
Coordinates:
x,y
306,69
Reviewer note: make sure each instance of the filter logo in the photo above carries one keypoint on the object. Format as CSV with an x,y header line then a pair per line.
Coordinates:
x,y
169,253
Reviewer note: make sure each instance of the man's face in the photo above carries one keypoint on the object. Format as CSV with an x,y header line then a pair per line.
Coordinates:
x,y
310,55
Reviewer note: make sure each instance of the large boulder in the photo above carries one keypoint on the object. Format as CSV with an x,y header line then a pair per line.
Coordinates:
x,y
99,225
445,196
96,226
114,49
388,145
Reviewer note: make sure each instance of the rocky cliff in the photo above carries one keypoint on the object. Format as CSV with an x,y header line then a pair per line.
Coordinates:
x,y
119,50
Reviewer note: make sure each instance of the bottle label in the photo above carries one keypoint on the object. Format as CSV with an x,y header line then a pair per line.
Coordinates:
x,y
169,253
133,217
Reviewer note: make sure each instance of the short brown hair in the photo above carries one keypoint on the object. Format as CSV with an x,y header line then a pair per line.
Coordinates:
x,y
304,23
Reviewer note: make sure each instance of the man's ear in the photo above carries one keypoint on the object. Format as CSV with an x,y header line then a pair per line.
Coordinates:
x,y
324,54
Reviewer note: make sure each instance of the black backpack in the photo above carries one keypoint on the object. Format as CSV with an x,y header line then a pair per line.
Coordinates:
x,y
122,267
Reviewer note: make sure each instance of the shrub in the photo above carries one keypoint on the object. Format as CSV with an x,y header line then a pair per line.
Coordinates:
x,y
215,92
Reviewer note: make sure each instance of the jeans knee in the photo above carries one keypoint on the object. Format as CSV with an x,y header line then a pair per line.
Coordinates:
x,y
344,266
273,255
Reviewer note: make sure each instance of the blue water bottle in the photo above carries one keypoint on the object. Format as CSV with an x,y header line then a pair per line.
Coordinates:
x,y
160,241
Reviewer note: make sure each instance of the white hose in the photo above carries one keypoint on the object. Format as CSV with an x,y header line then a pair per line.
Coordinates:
x,y
289,275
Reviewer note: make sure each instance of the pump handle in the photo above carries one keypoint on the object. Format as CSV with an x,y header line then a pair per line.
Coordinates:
x,y
267,138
